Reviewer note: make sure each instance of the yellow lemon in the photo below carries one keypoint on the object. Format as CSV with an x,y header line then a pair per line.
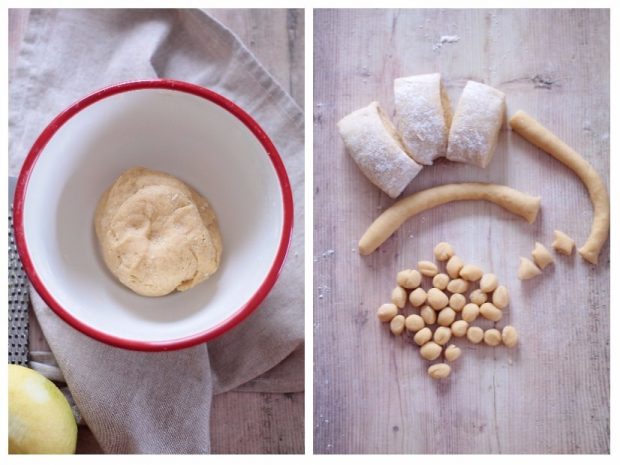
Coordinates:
x,y
40,419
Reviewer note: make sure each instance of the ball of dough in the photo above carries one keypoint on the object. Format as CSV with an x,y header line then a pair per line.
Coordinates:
x,y
157,234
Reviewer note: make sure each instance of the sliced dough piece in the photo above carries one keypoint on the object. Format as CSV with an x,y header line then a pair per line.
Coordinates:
x,y
476,124
527,269
563,243
423,116
542,256
541,137
372,141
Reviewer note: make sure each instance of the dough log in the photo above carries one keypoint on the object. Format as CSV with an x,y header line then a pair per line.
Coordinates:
x,y
372,141
423,116
391,219
476,124
534,132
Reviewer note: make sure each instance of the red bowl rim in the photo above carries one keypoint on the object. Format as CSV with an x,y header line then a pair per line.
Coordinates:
x,y
241,313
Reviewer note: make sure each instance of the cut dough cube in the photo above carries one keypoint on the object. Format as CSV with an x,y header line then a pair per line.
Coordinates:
x,y
541,256
423,116
563,243
476,124
527,269
371,140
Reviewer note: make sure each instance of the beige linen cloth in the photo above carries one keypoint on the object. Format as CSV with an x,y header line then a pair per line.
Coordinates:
x,y
137,402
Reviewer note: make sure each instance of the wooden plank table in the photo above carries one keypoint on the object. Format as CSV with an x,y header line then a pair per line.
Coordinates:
x,y
242,422
549,395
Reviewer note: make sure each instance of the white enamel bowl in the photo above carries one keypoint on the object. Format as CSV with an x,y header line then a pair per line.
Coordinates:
x,y
178,128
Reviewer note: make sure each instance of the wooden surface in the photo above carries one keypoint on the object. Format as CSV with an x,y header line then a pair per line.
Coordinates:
x,y
551,394
258,423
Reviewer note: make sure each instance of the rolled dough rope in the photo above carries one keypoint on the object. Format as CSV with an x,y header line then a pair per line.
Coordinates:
x,y
391,219
476,124
531,130
372,141
423,112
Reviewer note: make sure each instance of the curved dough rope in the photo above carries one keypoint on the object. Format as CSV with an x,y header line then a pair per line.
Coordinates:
x,y
391,219
531,130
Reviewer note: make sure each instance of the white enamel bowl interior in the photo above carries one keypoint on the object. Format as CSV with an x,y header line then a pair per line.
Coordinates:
x,y
178,133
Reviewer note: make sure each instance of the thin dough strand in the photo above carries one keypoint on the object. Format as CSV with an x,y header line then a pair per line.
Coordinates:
x,y
390,220
534,132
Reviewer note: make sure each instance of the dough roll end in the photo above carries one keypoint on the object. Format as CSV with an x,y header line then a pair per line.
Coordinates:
x,y
589,254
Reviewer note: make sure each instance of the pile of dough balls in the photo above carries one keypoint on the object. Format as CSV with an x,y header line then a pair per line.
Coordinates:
x,y
447,309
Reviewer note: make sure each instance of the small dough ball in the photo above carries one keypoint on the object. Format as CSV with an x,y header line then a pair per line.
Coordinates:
x,y
156,234
440,281
488,282
414,323
423,336
430,351
386,312
459,328
443,251
453,267
527,269
475,334
417,297
542,256
436,298
442,335
399,297
428,315
452,353
457,302
563,243
409,279
471,273
446,317
500,297
458,286
490,312
470,312
439,370
428,268
492,337
510,337
397,325
478,297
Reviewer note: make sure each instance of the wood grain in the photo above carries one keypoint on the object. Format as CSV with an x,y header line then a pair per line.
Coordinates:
x,y
251,423
551,394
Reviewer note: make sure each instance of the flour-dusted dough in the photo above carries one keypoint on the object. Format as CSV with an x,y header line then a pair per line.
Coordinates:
x,y
476,124
157,234
423,116
372,141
